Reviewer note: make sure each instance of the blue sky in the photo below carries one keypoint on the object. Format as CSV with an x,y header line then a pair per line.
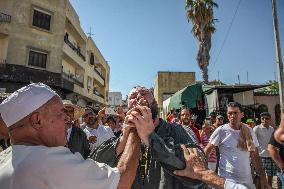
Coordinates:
x,y
139,38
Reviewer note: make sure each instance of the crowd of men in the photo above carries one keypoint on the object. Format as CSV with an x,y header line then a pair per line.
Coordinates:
x,y
51,143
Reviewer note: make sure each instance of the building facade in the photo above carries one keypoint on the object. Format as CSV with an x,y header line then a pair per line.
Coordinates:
x,y
115,99
168,83
42,41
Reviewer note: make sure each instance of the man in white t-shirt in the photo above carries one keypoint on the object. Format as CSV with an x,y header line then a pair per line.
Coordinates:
x,y
35,117
234,162
96,133
263,133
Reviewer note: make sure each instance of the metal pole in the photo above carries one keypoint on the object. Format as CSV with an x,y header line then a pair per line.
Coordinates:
x,y
279,63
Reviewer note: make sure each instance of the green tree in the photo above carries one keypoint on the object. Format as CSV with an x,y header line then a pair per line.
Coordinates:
x,y
200,13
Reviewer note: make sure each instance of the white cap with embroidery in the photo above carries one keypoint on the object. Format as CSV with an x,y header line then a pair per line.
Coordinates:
x,y
24,101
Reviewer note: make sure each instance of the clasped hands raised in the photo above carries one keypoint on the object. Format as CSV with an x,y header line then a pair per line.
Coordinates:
x,y
140,117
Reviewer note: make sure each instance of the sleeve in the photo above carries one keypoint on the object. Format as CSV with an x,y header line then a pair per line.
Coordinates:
x,y
215,138
106,152
229,185
166,149
67,170
254,138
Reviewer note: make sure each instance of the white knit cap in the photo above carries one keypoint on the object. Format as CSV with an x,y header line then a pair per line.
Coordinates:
x,y
24,101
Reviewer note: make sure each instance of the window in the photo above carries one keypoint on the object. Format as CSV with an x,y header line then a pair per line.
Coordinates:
x,y
37,59
41,19
92,59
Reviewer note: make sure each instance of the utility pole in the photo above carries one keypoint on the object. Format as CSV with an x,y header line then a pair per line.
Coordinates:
x,y
279,63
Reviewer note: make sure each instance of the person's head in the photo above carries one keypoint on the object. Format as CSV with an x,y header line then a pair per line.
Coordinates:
x,y
185,116
250,123
35,114
90,116
265,118
142,96
234,113
219,120
111,122
212,116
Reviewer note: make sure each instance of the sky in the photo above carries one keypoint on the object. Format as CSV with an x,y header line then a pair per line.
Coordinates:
x,y
139,38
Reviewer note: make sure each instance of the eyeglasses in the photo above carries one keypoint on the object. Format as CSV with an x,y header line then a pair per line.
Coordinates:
x,y
235,113
265,118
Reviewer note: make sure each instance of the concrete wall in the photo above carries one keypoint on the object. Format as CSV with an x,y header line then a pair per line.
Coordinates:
x,y
24,36
270,102
170,83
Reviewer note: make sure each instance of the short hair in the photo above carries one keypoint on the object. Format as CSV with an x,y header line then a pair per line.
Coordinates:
x,y
110,118
212,114
186,108
263,114
235,105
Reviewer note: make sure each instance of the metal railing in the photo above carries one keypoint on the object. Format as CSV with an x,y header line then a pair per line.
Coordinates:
x,y
99,74
3,61
5,17
74,48
73,79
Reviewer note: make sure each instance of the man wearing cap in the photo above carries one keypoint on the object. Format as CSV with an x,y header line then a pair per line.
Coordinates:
x,y
76,137
160,151
96,132
35,117
263,133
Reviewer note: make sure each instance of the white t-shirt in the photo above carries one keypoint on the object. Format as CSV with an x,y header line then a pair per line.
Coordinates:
x,y
263,135
234,163
102,133
40,167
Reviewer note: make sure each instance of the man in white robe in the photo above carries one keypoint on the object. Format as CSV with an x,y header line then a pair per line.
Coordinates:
x,y
35,118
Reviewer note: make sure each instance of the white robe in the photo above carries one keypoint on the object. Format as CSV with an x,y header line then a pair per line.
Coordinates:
x,y
41,167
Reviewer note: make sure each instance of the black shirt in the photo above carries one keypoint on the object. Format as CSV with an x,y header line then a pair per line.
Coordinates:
x,y
277,145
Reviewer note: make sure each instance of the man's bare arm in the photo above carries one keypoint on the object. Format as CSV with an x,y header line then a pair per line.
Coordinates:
x,y
273,152
122,140
196,168
257,164
128,162
208,149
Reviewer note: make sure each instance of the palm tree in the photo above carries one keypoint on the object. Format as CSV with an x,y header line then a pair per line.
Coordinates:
x,y
200,13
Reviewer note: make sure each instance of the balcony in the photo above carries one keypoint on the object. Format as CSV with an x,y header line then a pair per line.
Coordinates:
x,y
98,97
99,77
77,50
73,79
5,17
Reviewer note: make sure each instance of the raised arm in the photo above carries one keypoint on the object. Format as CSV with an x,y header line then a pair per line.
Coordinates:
x,y
128,162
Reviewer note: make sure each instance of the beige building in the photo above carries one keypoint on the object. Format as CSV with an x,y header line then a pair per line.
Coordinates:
x,y
42,41
168,83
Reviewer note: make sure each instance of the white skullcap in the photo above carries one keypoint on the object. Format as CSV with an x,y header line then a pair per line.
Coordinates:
x,y
24,101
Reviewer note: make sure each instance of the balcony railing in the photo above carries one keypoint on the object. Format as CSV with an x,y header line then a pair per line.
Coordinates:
x,y
5,17
74,48
73,79
99,74
98,94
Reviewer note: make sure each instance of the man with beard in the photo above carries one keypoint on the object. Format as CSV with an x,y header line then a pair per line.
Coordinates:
x,y
159,151
96,133
185,119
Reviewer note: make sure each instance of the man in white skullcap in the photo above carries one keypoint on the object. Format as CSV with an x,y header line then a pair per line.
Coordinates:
x,y
35,117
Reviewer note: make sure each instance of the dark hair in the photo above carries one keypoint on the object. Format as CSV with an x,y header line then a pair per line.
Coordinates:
x,y
265,114
110,118
186,108
235,105
212,114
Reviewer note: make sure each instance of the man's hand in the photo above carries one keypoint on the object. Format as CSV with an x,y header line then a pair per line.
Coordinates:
x,y
141,118
93,139
195,164
196,168
102,113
